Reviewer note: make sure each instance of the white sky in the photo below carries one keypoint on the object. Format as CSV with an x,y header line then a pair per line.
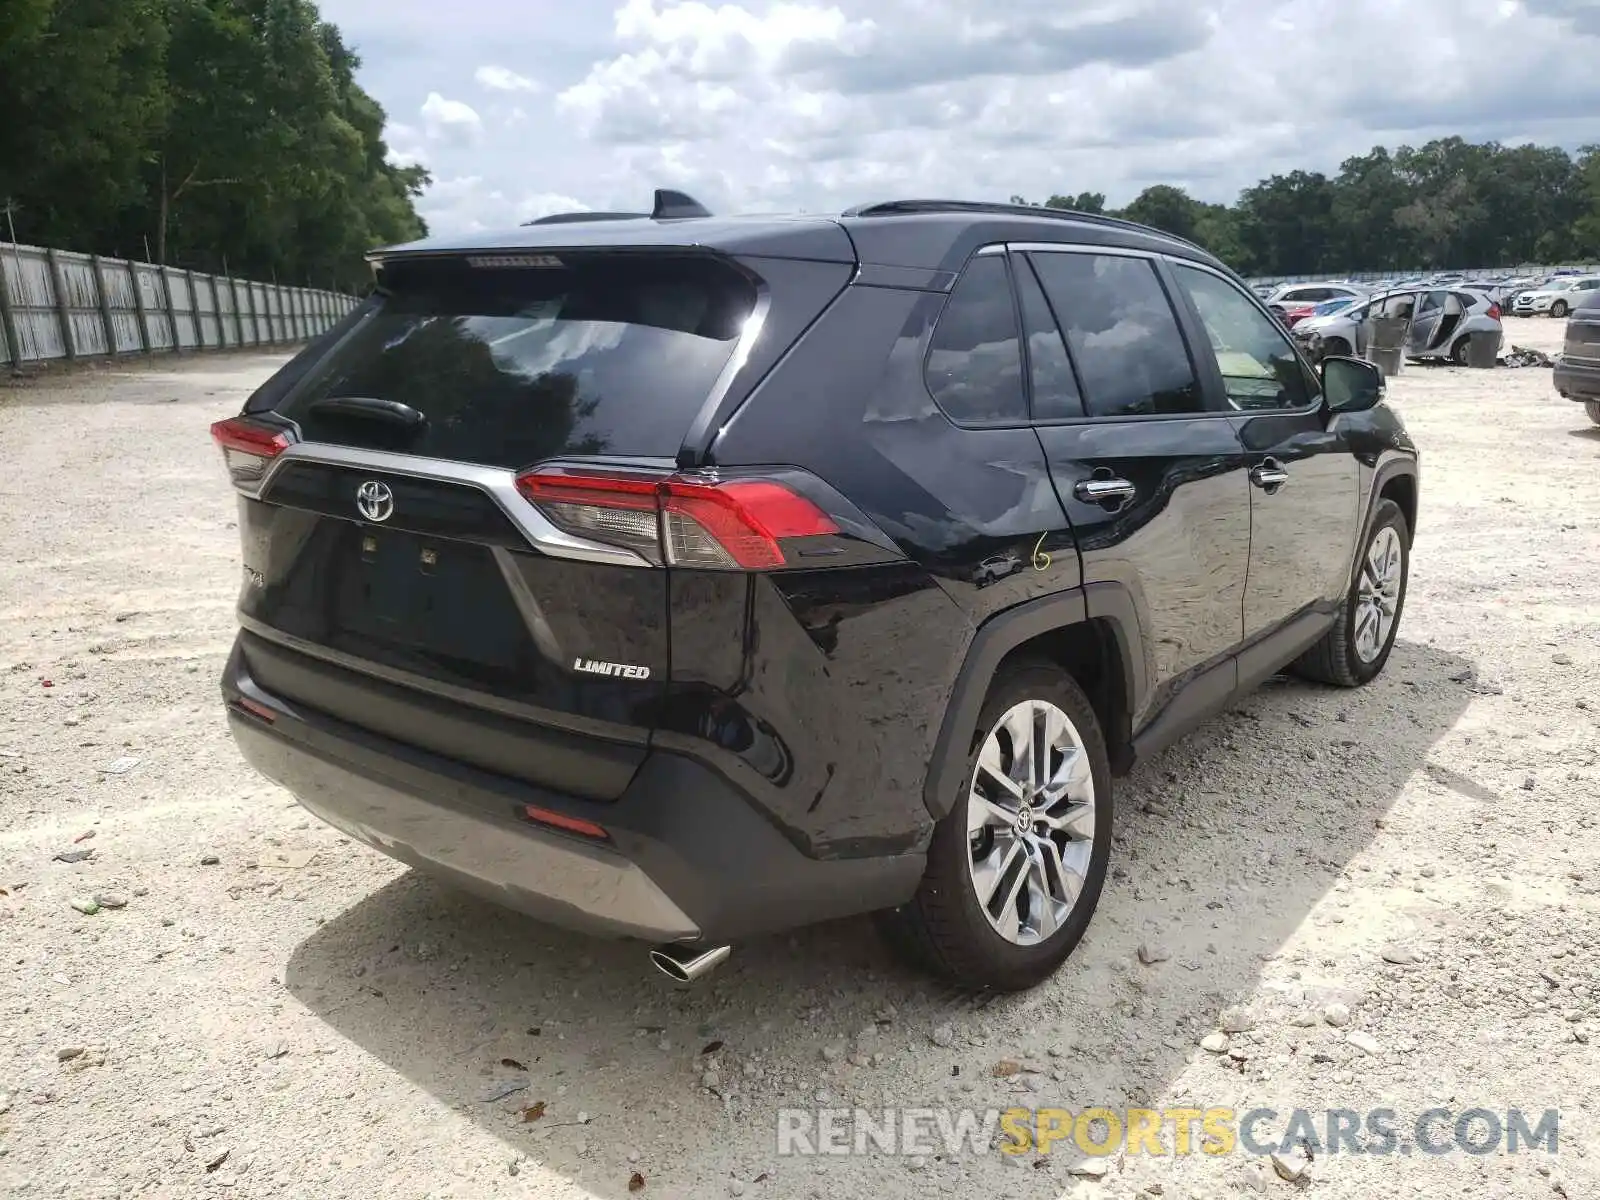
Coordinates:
x,y
522,107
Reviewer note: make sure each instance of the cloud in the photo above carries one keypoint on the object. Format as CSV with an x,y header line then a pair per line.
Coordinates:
x,y
1583,14
450,120
503,79
472,204
816,104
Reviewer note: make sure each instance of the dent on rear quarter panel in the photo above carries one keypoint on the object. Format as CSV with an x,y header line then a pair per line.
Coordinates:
x,y
813,691
850,668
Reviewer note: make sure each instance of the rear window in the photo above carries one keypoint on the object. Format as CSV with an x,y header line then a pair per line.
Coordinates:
x,y
507,366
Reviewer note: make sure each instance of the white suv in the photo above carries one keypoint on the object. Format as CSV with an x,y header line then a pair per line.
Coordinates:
x,y
1556,298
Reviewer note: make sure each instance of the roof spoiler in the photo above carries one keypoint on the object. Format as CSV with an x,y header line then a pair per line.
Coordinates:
x,y
669,206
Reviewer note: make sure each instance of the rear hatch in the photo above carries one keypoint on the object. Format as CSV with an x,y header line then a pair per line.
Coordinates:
x,y
398,575
1582,346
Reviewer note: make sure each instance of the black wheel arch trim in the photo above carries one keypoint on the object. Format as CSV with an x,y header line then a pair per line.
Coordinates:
x,y
999,636
1398,466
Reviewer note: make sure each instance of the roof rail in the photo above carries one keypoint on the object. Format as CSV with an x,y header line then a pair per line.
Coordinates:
x,y
570,218
892,208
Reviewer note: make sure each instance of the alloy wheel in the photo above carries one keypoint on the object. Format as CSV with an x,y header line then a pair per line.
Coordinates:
x,y
1030,822
1378,593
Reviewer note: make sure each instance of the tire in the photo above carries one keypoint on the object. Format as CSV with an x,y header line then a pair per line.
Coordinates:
x,y
1337,658
1458,352
1558,309
1592,407
1336,348
945,927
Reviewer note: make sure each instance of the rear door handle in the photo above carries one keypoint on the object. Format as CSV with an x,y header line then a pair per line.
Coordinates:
x,y
1103,491
1269,476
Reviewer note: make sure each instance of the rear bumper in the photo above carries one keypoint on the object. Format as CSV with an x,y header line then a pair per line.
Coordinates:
x,y
688,857
1577,381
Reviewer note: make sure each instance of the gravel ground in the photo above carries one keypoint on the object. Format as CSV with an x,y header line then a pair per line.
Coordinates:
x,y
1395,890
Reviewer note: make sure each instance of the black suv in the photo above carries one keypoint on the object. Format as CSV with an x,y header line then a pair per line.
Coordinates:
x,y
1577,373
685,578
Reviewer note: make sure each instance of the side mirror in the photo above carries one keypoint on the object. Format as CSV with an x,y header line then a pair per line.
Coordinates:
x,y
1351,384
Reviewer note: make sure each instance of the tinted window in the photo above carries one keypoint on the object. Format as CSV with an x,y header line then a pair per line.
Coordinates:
x,y
510,366
1259,367
1122,334
1055,390
975,359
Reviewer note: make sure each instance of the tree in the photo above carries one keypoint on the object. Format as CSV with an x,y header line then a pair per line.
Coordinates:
x,y
1585,237
215,131
1285,223
1084,202
81,84
1167,208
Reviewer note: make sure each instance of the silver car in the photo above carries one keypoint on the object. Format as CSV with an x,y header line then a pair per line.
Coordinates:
x,y
1297,295
1557,297
1440,320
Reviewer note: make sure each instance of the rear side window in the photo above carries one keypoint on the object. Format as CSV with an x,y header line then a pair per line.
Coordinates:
x,y
509,366
1122,333
974,367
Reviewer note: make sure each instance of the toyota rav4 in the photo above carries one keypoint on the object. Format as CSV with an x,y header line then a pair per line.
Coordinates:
x,y
685,578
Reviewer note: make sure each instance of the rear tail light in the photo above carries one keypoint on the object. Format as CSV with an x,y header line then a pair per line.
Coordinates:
x,y
1494,312
737,524
248,446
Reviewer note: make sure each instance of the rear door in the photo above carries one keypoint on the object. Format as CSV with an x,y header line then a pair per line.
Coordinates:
x,y
397,574
1153,479
1425,322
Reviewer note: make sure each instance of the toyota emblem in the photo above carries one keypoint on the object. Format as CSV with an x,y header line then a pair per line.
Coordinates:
x,y
375,500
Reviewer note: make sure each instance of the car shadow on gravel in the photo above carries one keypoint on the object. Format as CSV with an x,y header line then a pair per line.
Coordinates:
x,y
1226,844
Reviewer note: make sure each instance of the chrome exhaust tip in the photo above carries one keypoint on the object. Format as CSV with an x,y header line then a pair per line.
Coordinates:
x,y
685,964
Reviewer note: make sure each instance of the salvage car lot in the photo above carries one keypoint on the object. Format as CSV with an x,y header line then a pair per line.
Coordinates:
x,y
270,1010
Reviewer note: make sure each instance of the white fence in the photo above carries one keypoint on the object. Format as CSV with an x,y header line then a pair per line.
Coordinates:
x,y
58,305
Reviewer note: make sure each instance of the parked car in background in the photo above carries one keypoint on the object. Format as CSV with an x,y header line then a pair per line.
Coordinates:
x,y
1441,319
1328,307
1294,316
1577,373
1504,291
1299,295
1556,298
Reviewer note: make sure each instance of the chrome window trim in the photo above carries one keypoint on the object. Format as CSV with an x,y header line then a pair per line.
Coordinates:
x,y
498,483
1082,248
700,433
